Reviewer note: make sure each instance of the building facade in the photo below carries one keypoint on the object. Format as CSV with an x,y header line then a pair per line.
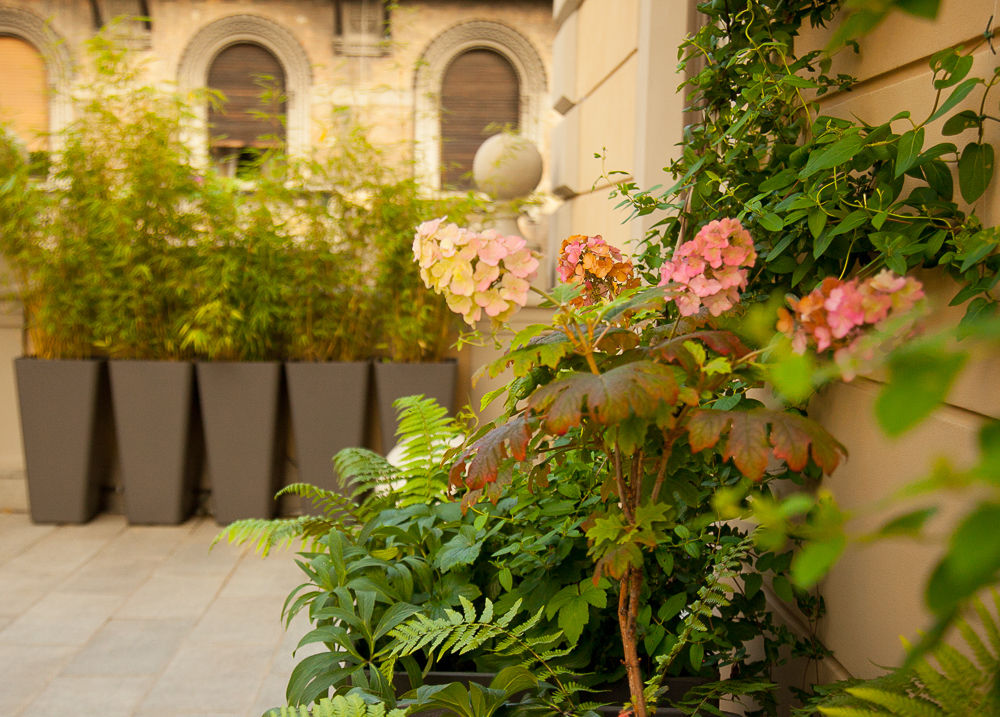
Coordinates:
x,y
430,78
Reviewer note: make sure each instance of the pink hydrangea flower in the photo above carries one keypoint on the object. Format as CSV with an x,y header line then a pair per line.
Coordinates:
x,y
476,272
837,315
710,269
597,266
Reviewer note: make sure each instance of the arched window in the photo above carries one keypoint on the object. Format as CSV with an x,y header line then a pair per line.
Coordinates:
x,y
480,96
24,103
250,117
486,62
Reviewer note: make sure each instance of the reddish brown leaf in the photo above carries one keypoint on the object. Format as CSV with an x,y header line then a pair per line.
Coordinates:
x,y
751,435
637,388
790,440
747,445
705,427
615,340
485,455
721,342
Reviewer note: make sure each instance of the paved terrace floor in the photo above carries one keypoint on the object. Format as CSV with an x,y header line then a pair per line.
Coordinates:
x,y
133,621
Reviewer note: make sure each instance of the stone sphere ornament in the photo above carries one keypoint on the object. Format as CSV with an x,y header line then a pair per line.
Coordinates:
x,y
507,166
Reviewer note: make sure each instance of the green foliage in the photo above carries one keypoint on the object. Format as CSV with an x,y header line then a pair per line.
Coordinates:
x,y
947,682
338,706
475,700
462,632
823,196
361,586
645,407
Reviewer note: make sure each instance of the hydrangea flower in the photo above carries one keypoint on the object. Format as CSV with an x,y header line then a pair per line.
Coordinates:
x,y
710,269
837,313
597,266
476,272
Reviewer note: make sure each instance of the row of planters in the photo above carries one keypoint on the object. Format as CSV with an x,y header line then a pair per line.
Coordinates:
x,y
168,415
121,250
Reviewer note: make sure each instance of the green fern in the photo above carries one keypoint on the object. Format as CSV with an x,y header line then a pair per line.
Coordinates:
x,y
338,706
463,632
946,683
416,474
336,511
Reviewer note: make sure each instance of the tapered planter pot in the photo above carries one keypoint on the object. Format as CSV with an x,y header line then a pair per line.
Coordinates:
x,y
328,404
156,444
240,406
64,422
393,380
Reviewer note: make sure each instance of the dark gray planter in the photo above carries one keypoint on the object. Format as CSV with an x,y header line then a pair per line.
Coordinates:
x,y
393,380
240,406
156,444
328,404
64,422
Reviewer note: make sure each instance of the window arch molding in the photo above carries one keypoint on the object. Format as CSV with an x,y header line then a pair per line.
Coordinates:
x,y
205,46
443,49
31,28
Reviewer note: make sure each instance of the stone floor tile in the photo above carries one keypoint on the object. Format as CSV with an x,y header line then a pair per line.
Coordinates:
x,y
186,713
26,669
210,678
21,590
17,533
147,542
130,647
90,696
241,621
172,596
275,575
271,694
64,550
196,556
106,575
60,618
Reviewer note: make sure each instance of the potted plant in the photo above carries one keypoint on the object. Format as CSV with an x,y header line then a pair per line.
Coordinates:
x,y
415,329
62,389
330,307
237,328
130,189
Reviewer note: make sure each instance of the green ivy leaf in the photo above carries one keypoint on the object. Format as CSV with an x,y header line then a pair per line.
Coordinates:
x,y
972,560
919,380
975,170
908,149
958,123
957,95
921,8
833,155
816,221
909,523
815,559
771,222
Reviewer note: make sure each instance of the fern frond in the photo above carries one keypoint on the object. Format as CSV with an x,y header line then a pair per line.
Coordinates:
x,y
338,706
266,534
338,509
898,704
955,687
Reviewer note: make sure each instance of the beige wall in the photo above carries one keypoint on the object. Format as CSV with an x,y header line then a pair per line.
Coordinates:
x,y
874,595
615,84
